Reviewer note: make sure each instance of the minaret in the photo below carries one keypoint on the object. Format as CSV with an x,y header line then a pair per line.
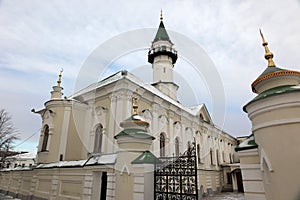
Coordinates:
x,y
163,56
56,92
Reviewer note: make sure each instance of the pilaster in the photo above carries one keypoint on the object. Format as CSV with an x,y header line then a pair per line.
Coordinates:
x,y
112,122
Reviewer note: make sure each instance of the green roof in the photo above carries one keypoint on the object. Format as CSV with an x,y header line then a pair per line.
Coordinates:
x,y
273,91
270,70
138,133
248,143
161,33
145,158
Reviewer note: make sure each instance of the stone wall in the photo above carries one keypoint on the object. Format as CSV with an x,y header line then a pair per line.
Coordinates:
x,y
55,183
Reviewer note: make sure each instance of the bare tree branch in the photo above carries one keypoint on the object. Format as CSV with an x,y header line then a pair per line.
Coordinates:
x,y
8,134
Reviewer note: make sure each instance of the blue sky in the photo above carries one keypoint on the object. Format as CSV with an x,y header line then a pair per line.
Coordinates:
x,y
38,38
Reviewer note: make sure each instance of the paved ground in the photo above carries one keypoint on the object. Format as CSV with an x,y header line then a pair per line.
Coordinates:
x,y
226,196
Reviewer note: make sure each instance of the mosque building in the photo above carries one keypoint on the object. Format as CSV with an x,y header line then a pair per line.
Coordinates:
x,y
103,141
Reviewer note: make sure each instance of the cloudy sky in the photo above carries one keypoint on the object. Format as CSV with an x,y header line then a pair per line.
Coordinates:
x,y
38,38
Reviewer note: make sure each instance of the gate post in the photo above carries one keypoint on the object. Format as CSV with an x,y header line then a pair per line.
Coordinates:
x,y
134,143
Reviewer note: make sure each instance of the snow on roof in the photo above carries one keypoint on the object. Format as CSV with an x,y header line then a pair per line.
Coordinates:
x,y
23,156
129,76
16,169
72,163
248,143
96,159
195,109
113,78
102,159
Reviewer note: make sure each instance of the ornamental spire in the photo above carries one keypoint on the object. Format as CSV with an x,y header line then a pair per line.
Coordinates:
x,y
268,54
59,77
134,105
161,15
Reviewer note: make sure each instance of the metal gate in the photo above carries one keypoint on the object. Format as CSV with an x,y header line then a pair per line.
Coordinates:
x,y
175,178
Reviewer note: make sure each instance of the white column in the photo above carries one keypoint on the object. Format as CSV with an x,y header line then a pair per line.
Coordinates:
x,y
234,182
111,128
155,144
119,115
171,134
183,135
128,104
64,131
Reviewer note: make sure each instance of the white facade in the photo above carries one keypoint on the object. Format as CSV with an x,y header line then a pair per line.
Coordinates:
x,y
83,127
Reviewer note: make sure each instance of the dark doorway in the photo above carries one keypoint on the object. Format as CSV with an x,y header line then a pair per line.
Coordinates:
x,y
103,186
239,181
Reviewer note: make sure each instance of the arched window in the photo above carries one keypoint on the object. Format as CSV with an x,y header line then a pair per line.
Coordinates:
x,y
201,116
176,146
217,154
211,157
198,153
162,144
223,155
46,137
98,139
230,158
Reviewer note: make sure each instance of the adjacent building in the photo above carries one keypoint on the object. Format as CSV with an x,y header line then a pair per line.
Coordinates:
x,y
269,156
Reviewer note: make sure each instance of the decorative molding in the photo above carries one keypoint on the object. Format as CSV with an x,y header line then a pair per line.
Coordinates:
x,y
177,125
273,104
184,120
147,114
163,119
155,107
100,110
125,170
275,123
171,114
113,97
264,157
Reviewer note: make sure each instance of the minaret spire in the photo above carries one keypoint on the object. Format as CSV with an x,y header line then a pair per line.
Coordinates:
x,y
56,92
161,15
59,77
268,54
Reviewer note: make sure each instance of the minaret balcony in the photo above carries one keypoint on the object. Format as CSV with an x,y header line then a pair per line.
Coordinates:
x,y
162,50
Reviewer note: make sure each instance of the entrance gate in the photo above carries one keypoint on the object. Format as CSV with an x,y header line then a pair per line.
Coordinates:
x,y
175,178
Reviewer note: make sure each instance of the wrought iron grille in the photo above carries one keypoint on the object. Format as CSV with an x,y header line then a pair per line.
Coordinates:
x,y
175,178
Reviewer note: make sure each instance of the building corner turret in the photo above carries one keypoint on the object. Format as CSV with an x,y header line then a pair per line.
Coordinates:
x,y
270,152
56,93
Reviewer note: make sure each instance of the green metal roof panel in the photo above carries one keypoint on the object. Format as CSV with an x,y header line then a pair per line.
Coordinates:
x,y
248,143
139,133
161,33
270,70
145,158
274,91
